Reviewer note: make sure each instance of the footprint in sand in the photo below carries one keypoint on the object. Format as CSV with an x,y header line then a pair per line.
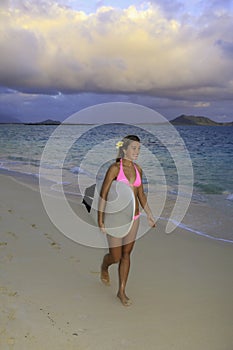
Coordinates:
x,y
11,341
30,337
11,315
5,291
9,233
9,257
54,244
74,259
49,316
6,258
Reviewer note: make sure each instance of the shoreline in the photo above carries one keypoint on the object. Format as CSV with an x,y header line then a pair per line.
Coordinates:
x,y
218,206
51,295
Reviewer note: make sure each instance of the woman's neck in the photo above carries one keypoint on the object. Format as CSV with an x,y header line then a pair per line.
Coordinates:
x,y
127,161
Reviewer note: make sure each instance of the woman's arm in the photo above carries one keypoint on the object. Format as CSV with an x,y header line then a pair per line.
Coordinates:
x,y
143,201
109,177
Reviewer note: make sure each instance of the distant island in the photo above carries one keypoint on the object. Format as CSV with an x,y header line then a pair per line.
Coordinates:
x,y
195,120
45,122
181,120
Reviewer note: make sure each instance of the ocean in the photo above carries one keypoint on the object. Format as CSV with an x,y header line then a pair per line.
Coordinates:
x,y
202,155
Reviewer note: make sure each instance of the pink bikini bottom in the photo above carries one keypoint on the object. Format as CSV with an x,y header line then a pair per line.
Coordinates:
x,y
136,216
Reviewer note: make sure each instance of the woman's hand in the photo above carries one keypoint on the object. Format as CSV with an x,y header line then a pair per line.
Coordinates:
x,y
151,220
102,228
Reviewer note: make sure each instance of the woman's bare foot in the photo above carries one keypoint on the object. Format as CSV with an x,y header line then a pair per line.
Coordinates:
x,y
124,299
104,276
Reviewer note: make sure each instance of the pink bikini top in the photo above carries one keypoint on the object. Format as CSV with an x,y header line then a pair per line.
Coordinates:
x,y
121,176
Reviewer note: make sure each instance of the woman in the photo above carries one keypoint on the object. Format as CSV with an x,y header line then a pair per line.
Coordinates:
x,y
120,249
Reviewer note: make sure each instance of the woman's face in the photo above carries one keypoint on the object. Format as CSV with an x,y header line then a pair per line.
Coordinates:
x,y
132,152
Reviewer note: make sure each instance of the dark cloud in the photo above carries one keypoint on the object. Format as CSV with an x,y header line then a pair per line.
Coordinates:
x,y
27,107
132,54
128,51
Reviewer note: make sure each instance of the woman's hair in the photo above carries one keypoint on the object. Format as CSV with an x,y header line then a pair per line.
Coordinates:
x,y
126,142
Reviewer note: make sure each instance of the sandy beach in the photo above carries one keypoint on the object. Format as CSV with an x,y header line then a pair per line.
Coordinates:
x,y
51,296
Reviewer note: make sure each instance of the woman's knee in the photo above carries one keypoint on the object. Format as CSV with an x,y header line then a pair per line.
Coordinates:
x,y
125,255
116,258
115,255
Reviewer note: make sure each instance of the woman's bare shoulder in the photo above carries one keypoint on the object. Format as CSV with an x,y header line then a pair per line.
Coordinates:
x,y
114,168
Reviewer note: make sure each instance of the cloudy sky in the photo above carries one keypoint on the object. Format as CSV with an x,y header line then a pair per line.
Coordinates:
x,y
58,57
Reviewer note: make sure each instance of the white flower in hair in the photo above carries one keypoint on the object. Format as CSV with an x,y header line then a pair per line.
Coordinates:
x,y
119,144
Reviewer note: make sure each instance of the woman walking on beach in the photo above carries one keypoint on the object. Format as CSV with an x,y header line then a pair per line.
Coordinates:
x,y
125,170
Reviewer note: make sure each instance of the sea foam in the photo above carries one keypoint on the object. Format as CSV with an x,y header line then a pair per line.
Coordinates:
x,y
230,197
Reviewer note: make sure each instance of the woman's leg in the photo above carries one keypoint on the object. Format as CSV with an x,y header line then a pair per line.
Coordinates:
x,y
124,265
114,256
